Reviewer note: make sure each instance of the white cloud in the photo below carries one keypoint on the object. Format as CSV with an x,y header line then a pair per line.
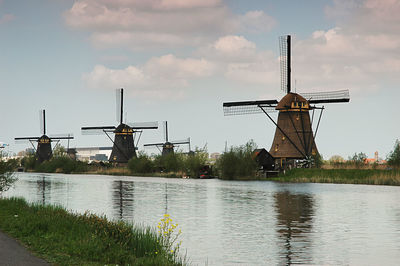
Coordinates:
x,y
138,24
361,52
159,77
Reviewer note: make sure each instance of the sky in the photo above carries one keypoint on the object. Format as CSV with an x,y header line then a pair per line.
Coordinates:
x,y
179,60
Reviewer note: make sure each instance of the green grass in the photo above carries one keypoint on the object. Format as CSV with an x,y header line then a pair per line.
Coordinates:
x,y
342,176
64,238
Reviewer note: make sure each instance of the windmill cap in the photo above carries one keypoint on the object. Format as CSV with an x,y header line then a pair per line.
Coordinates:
x,y
288,99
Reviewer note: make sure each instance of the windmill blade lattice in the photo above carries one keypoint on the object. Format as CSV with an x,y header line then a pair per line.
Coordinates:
x,y
97,130
327,96
61,136
42,122
144,125
177,142
119,93
249,107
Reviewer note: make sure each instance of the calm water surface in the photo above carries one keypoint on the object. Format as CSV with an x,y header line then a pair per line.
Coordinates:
x,y
241,223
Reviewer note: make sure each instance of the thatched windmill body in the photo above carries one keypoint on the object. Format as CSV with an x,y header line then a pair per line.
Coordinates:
x,y
294,137
168,146
126,135
43,149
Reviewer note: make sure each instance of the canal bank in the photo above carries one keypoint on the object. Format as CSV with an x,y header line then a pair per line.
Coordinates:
x,y
65,238
236,222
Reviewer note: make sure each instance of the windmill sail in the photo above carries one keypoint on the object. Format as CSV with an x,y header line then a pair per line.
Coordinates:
x,y
97,130
119,93
284,48
327,96
42,122
144,125
249,107
165,131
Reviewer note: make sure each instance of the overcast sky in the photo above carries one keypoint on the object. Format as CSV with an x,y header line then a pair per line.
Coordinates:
x,y
179,60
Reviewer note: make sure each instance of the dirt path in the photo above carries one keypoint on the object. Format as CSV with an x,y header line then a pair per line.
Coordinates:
x,y
13,254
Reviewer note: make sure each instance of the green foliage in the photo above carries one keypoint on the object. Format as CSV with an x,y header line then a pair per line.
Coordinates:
x,y
171,162
194,162
59,151
341,176
64,238
393,158
141,164
318,160
62,164
358,159
6,174
29,162
238,162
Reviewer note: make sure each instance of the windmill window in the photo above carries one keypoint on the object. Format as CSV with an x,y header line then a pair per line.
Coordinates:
x,y
276,147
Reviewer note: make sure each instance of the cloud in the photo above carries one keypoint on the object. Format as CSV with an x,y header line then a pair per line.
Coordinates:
x,y
159,77
6,18
361,52
156,23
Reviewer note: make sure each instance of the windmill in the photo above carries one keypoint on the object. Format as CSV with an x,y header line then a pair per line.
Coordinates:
x,y
125,134
44,151
294,138
168,146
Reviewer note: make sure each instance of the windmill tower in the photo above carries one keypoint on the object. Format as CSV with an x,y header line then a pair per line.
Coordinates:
x,y
294,138
43,150
125,134
168,146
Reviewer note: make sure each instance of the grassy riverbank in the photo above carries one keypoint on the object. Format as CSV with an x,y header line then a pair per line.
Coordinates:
x,y
64,238
341,176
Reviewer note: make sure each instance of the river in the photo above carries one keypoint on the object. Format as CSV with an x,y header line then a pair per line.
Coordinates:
x,y
241,223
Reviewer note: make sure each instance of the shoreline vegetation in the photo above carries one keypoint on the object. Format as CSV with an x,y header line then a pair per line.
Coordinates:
x,y
236,163
65,238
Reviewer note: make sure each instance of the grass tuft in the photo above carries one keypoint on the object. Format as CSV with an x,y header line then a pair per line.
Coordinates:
x,y
342,176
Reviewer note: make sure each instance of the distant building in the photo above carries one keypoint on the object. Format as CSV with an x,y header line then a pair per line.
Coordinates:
x,y
376,159
215,155
93,153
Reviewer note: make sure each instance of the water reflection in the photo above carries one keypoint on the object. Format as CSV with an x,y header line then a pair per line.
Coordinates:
x,y
294,224
43,189
241,223
123,199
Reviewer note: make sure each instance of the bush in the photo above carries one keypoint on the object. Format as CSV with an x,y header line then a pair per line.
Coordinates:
x,y
6,174
358,159
172,162
29,162
141,164
62,164
194,162
238,162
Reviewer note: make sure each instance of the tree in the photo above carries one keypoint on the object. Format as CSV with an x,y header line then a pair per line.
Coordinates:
x,y
141,164
393,158
59,151
336,159
6,174
238,162
358,158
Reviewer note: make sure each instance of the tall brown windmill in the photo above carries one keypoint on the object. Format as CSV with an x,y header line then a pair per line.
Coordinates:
x,y
294,139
